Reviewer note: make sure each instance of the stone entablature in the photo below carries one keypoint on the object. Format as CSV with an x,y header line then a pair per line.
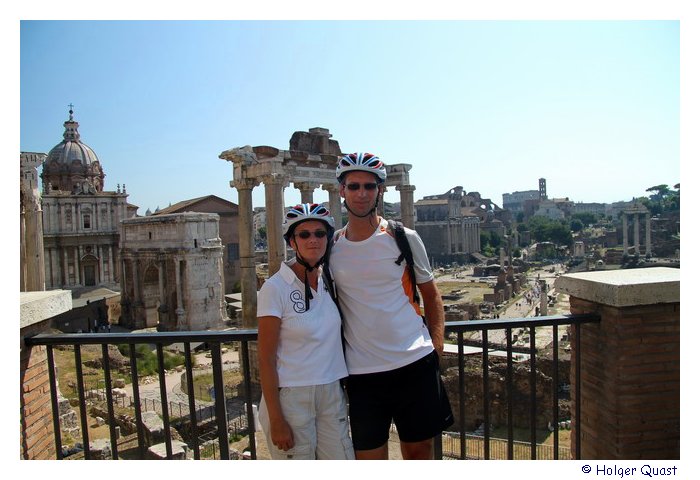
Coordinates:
x,y
173,272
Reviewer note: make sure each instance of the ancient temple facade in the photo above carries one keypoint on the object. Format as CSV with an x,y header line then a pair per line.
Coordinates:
x,y
449,229
80,219
173,272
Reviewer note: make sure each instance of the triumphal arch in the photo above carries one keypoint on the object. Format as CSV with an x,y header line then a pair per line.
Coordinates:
x,y
308,165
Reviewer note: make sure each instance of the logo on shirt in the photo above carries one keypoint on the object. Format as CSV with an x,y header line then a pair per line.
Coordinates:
x,y
298,301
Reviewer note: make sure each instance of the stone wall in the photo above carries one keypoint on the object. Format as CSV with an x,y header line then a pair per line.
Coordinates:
x,y
630,362
498,395
36,420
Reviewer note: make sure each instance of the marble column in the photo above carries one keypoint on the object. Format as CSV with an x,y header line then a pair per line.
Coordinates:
x,y
249,279
625,240
407,208
334,203
636,233
274,208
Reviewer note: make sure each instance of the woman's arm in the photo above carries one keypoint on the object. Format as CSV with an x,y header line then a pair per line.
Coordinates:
x,y
268,341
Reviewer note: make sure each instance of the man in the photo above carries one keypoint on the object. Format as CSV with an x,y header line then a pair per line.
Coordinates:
x,y
392,355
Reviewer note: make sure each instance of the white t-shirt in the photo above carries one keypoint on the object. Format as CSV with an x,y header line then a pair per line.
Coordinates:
x,y
310,349
383,328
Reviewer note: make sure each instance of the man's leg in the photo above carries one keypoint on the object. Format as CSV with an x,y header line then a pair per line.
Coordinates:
x,y
381,453
417,450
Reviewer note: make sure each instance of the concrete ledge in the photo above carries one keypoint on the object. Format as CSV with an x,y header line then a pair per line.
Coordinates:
x,y
624,288
35,307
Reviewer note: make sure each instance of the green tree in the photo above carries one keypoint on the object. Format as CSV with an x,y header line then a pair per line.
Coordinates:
x,y
586,218
576,225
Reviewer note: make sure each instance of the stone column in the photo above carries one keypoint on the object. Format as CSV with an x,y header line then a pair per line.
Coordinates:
x,y
449,237
66,274
307,191
334,203
624,233
407,208
35,279
111,269
544,301
636,233
76,255
629,363
179,311
648,234
249,279
274,208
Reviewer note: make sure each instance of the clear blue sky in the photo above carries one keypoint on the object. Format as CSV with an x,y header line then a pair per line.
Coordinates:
x,y
592,106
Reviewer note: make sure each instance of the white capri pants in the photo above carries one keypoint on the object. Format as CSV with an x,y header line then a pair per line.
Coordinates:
x,y
318,417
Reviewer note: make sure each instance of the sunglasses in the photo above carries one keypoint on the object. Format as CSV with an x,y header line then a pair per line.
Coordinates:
x,y
356,186
305,234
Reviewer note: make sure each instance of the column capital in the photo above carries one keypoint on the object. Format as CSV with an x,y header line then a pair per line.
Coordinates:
x,y
406,188
276,179
331,187
244,183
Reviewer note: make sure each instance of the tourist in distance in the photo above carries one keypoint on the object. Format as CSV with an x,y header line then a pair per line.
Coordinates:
x,y
392,355
303,411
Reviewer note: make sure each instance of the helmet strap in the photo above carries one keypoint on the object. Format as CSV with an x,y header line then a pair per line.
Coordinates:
x,y
307,268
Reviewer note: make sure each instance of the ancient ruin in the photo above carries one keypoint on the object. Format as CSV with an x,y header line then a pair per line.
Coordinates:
x,y
635,211
173,272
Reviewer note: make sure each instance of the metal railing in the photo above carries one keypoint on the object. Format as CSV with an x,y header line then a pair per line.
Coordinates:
x,y
216,338
485,326
160,339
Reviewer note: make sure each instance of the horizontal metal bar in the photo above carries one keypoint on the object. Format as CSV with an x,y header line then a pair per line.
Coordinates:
x,y
138,338
478,325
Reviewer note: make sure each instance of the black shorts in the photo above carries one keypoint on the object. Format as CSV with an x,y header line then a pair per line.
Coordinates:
x,y
412,396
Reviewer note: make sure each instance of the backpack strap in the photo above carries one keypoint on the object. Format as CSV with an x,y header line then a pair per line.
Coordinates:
x,y
399,234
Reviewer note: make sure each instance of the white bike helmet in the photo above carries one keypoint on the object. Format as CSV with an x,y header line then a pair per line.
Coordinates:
x,y
363,162
304,212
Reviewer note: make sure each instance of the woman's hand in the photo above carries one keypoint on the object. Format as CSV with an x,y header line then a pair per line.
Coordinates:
x,y
282,436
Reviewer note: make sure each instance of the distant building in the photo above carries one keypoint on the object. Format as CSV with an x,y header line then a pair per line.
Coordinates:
x,y
80,219
550,210
228,231
515,202
448,227
594,208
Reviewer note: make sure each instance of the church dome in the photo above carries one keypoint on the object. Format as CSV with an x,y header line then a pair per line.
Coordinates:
x,y
71,162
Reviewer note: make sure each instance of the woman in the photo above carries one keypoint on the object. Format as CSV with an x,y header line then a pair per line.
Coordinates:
x,y
303,411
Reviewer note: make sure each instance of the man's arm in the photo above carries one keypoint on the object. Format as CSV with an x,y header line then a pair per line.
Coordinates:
x,y
434,313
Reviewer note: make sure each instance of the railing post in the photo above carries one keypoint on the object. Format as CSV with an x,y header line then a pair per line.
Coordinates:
x,y
220,400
